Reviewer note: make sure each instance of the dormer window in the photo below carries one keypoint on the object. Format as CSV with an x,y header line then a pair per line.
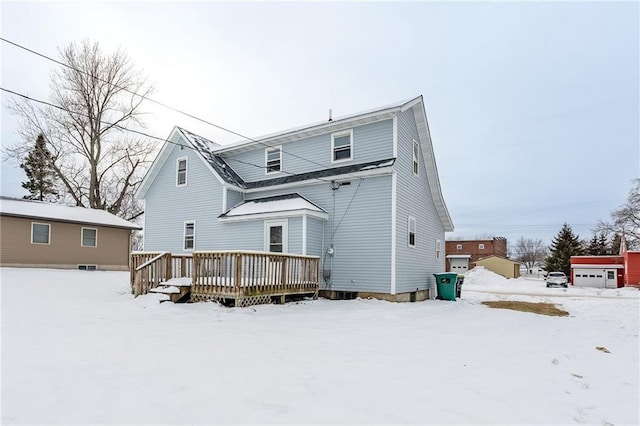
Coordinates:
x,y
273,159
181,172
342,146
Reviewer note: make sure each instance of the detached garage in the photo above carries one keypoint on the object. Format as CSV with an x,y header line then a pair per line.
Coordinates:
x,y
597,271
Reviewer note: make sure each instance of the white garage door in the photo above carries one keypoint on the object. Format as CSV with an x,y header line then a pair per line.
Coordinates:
x,y
459,265
589,278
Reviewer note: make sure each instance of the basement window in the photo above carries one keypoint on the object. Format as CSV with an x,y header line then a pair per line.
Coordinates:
x,y
88,267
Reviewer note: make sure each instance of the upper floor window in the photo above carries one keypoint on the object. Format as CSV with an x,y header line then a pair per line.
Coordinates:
x,y
412,231
416,155
438,249
181,172
189,235
40,233
342,146
458,246
480,246
89,237
273,159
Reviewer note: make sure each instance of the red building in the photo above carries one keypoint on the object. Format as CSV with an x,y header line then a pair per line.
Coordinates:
x,y
607,271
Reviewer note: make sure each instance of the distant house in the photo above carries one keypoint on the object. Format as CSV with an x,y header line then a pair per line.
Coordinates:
x,y
500,265
37,234
611,271
463,254
360,193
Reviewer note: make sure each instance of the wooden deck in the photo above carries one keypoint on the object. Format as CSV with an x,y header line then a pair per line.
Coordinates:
x,y
237,278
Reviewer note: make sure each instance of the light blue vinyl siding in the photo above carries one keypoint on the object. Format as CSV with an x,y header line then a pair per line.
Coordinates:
x,y
315,228
233,198
362,241
415,266
371,142
167,206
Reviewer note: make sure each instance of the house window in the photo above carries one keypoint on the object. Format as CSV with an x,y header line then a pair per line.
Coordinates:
x,y
189,235
276,236
412,231
416,153
273,159
458,246
438,249
342,146
480,246
181,172
40,233
89,237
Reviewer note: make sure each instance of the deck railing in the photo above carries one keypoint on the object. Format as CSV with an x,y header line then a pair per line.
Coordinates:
x,y
150,269
227,273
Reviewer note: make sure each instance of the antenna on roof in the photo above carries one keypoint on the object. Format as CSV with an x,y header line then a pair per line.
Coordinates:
x,y
330,115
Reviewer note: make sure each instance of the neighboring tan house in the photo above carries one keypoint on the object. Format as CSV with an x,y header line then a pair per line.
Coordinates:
x,y
500,265
361,193
462,255
45,235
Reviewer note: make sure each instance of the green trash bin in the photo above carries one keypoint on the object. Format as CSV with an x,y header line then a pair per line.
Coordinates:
x,y
447,284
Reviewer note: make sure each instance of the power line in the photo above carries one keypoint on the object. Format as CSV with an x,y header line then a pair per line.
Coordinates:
x,y
159,103
142,133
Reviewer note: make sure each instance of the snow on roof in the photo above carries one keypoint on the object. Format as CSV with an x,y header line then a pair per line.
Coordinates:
x,y
59,212
282,203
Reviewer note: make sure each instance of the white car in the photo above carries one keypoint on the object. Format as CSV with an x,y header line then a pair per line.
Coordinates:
x,y
557,279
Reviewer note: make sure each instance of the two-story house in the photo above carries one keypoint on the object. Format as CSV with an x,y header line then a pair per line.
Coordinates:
x,y
463,254
361,192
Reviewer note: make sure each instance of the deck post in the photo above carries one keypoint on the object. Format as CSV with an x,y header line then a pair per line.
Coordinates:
x,y
238,273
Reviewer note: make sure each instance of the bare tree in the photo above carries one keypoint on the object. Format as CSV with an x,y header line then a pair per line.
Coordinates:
x,y
529,251
625,220
94,102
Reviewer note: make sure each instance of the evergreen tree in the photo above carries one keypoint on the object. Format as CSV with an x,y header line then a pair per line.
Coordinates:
x,y
37,167
599,245
564,245
616,241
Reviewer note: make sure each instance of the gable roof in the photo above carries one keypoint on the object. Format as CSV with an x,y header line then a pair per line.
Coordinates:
x,y
211,152
17,207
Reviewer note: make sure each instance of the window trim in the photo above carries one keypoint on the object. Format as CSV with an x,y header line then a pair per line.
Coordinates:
x,y
82,236
186,168
438,249
184,235
416,158
411,219
333,145
266,159
480,246
48,225
458,246
285,234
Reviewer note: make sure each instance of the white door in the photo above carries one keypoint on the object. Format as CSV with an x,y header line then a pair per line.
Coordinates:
x,y
611,280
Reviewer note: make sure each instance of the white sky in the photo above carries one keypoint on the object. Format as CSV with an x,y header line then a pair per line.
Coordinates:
x,y
533,107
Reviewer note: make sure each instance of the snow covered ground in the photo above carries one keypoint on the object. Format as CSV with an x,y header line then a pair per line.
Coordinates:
x,y
77,348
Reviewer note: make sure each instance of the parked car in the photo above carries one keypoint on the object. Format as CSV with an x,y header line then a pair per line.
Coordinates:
x,y
557,279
